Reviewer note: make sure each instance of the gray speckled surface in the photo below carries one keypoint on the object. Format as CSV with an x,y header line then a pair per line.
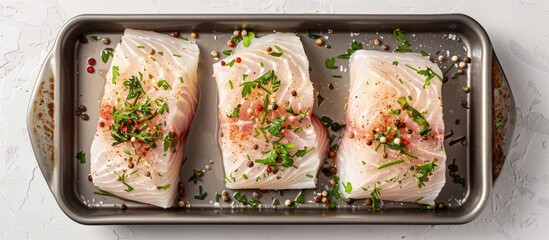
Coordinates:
x,y
520,204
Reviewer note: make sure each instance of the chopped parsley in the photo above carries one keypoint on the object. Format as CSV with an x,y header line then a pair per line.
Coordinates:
x,y
405,45
227,52
423,172
417,117
248,39
194,177
309,175
176,55
180,80
241,198
428,73
348,187
354,46
163,187
163,84
106,54
278,53
300,199
265,79
329,63
115,73
122,179
81,156
312,35
395,63
236,112
374,195
104,193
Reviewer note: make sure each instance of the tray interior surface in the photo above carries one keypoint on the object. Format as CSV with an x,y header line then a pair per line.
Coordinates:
x,y
446,35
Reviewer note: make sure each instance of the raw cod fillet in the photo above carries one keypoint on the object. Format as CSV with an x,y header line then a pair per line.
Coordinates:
x,y
145,114
386,87
268,136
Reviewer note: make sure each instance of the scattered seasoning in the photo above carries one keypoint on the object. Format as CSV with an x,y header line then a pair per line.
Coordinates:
x,y
441,58
194,34
453,142
238,60
382,166
81,157
90,177
123,206
103,193
257,194
329,63
466,89
91,61
463,65
131,165
208,167
441,205
288,202
106,54
94,38
423,53
385,47
377,42
454,58
498,125
457,121
467,59
181,203
231,43
368,201
354,46
332,154
405,45
215,54
464,104
175,34
82,108
163,187
201,194
90,69
278,53
222,63
319,42
106,41
85,117
312,35
83,39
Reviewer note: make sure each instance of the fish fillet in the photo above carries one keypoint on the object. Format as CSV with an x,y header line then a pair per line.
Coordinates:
x,y
393,96
149,101
268,136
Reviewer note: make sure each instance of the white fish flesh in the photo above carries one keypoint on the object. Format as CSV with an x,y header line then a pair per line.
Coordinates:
x,y
149,102
268,136
392,147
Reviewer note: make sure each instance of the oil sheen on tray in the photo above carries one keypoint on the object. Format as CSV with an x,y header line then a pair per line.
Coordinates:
x,y
268,136
392,147
149,101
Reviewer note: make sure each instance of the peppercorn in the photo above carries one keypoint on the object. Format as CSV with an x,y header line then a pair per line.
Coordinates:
x,y
377,42
226,198
466,89
351,135
130,165
244,32
335,126
199,173
194,34
90,69
464,142
409,131
441,58
424,137
269,49
181,203
294,93
85,117
238,60
467,59
397,122
256,147
269,169
274,106
208,167
122,206
460,72
455,58
463,65
441,205
319,42
453,173
83,39
333,182
464,103
225,193
175,34
453,167
385,47
368,201
350,201
288,202
235,33
385,155
257,194
332,154
250,164
82,108
318,199
457,121
106,41
369,142
90,177
231,43
152,52
326,172
214,54
333,170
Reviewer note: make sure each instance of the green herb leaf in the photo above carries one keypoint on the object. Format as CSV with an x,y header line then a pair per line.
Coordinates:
x,y
248,39
309,175
423,53
81,156
180,80
104,193
399,35
236,113
319,99
163,187
115,74
106,54
227,52
395,112
163,84
329,63
201,194
327,121
194,177
312,35
354,46
278,53
348,187
303,152
395,63
382,166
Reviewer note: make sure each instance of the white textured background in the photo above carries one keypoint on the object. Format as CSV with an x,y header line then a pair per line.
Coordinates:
x,y
518,29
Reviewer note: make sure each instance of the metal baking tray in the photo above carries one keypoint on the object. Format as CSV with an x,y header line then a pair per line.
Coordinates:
x,y
57,133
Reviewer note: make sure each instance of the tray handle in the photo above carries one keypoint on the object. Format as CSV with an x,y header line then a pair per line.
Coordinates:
x,y
504,117
41,120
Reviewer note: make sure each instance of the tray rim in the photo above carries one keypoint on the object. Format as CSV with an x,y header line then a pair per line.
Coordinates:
x,y
486,179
